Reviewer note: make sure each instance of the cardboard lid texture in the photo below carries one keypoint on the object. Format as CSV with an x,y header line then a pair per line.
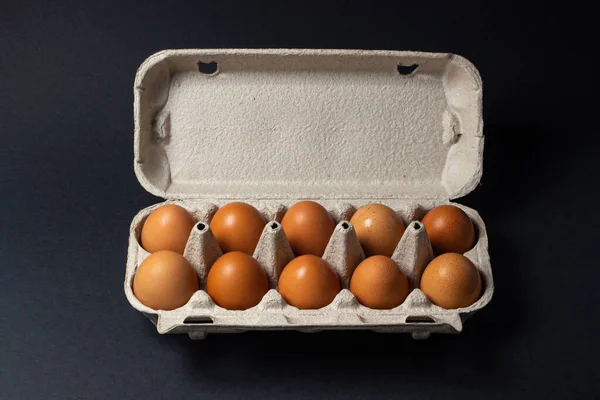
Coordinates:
x,y
320,124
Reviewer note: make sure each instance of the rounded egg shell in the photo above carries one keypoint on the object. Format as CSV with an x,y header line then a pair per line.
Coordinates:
x,y
237,226
379,229
167,228
308,228
165,280
308,282
236,281
450,229
378,283
451,281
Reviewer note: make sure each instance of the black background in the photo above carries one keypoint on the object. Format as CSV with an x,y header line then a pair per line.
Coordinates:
x,y
69,194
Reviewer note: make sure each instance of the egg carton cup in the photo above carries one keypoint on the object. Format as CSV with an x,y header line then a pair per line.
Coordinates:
x,y
345,128
416,314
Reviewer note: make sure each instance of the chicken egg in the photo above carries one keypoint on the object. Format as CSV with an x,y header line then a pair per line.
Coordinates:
x,y
379,229
165,280
237,226
167,228
236,281
308,282
451,281
450,229
308,227
378,283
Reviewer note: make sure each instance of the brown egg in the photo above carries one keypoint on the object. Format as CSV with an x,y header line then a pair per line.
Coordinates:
x,y
378,283
308,227
450,229
167,228
237,227
308,283
236,281
165,280
451,281
378,228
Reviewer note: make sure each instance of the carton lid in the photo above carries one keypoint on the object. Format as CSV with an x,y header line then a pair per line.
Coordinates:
x,y
321,124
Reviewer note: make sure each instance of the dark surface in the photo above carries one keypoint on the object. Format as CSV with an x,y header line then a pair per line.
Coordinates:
x,y
69,194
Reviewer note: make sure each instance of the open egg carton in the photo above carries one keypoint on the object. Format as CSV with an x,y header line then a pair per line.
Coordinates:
x,y
344,128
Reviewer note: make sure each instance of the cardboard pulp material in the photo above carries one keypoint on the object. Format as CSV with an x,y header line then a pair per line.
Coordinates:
x,y
342,127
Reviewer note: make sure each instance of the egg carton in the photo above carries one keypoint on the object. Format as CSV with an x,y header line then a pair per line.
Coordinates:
x,y
344,128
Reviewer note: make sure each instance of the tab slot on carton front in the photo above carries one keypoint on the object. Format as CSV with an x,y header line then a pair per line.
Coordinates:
x,y
419,319
198,320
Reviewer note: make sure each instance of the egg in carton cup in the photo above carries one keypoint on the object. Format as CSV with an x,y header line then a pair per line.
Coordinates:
x,y
344,128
